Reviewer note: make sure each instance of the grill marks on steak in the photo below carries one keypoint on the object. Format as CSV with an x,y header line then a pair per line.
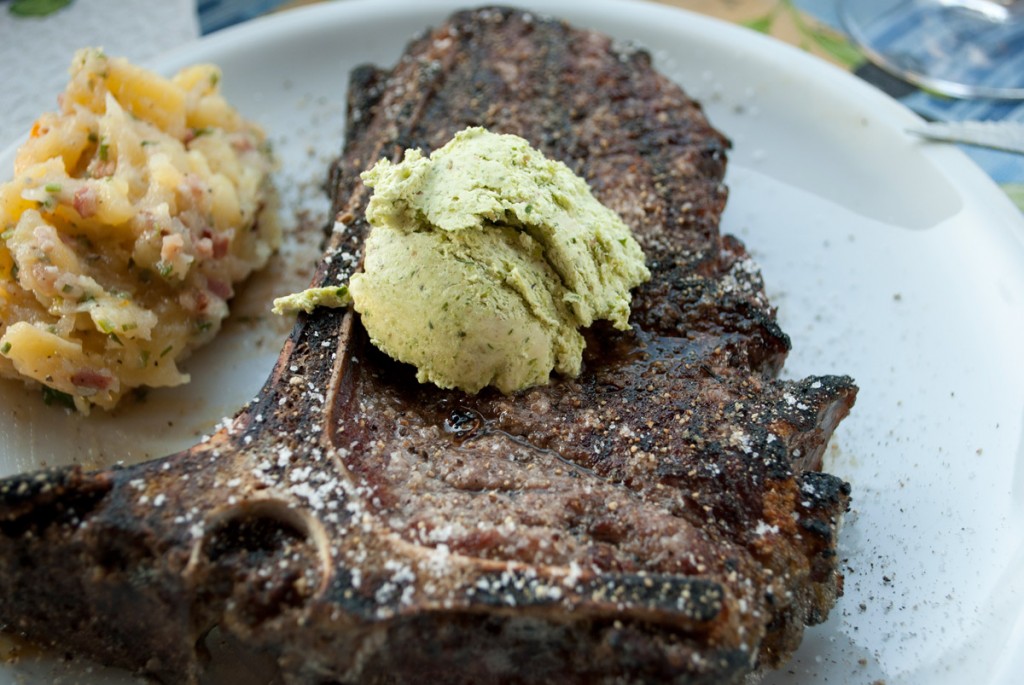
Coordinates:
x,y
658,519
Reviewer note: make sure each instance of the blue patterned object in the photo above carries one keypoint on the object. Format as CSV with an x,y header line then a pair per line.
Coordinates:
x,y
218,14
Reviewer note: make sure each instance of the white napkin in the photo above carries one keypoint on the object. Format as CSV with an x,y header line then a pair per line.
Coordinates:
x,y
35,52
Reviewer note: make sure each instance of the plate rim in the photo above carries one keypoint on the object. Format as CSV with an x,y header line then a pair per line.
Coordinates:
x,y
953,164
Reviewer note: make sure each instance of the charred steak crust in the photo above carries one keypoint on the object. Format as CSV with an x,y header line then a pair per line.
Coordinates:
x,y
661,518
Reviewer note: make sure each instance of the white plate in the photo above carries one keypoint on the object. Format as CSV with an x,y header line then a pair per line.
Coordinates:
x,y
892,260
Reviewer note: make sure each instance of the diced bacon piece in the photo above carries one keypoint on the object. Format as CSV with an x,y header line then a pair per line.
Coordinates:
x,y
85,201
92,379
221,289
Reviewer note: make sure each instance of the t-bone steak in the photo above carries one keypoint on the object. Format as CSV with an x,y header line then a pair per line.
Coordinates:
x,y
660,518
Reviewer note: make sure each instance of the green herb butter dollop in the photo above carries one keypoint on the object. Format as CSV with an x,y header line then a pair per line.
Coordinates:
x,y
485,259
311,298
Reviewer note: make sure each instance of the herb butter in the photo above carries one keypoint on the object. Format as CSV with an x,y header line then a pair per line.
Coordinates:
x,y
485,260
311,298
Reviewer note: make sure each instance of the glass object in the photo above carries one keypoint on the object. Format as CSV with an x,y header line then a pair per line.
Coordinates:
x,y
959,48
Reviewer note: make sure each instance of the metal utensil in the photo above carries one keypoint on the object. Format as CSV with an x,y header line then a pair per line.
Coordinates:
x,y
998,135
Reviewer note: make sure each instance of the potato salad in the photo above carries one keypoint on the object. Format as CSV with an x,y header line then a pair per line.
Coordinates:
x,y
133,213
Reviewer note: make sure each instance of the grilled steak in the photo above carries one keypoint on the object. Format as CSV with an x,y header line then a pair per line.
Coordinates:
x,y
661,518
